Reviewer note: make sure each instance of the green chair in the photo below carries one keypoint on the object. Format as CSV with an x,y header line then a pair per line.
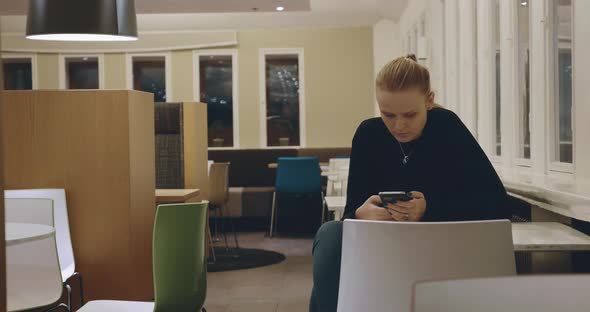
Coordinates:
x,y
180,267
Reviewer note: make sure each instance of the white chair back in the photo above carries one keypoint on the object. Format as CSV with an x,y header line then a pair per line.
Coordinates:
x,y
547,293
61,222
209,163
338,177
29,210
336,163
33,275
381,261
343,178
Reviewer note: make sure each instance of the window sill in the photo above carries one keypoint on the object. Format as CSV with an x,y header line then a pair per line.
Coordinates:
x,y
523,162
223,148
563,195
281,147
561,167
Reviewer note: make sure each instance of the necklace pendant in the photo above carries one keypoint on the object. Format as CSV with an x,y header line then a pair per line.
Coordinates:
x,y
405,160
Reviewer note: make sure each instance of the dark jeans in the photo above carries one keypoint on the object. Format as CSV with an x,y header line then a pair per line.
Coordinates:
x,y
327,251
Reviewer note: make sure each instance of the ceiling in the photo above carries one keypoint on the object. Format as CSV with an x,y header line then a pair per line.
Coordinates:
x,y
19,7
237,14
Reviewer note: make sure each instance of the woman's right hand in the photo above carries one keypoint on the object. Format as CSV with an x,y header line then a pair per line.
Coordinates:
x,y
371,210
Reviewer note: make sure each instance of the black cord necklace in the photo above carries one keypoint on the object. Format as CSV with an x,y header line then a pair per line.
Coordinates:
x,y
406,157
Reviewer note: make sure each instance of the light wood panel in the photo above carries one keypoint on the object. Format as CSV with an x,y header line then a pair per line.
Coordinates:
x,y
2,233
99,147
142,142
195,148
171,196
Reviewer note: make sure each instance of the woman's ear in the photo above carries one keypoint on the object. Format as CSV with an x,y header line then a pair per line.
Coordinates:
x,y
430,101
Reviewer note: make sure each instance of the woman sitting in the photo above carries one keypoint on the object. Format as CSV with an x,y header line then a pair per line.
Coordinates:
x,y
415,146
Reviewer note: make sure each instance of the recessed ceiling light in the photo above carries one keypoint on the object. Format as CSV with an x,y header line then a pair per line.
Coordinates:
x,y
524,3
280,8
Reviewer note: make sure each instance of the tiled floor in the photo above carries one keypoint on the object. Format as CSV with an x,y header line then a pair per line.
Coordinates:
x,y
283,287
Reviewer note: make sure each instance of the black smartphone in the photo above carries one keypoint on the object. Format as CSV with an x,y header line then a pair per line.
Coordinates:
x,y
393,197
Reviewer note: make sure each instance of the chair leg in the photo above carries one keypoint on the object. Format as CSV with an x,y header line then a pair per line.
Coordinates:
x,y
233,228
272,216
216,220
323,208
79,276
69,289
211,246
60,306
223,227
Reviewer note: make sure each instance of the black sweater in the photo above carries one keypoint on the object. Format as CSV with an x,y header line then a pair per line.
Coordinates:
x,y
447,165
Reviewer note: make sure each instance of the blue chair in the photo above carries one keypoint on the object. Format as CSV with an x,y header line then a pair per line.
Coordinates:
x,y
296,175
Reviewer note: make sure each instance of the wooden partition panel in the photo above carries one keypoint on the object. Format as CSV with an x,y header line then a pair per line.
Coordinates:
x,y
2,233
195,147
99,147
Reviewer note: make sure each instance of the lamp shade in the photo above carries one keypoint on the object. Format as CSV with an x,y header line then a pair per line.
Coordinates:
x,y
82,20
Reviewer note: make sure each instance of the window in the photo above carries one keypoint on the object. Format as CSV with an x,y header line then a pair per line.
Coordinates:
x,y
149,75
216,88
562,144
81,73
415,40
524,133
498,110
18,73
282,98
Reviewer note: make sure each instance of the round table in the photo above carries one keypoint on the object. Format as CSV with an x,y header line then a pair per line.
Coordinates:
x,y
18,233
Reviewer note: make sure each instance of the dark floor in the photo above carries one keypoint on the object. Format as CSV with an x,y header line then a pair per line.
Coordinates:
x,y
283,287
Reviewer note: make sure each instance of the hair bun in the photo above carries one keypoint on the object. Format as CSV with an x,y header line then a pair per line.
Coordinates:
x,y
412,57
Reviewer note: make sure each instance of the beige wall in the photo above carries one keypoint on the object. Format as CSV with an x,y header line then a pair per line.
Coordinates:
x,y
115,71
182,76
338,79
47,71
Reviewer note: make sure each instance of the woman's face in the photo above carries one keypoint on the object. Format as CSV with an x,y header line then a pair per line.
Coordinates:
x,y
404,112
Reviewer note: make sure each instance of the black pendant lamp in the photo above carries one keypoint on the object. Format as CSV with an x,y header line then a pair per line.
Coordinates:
x,y
82,20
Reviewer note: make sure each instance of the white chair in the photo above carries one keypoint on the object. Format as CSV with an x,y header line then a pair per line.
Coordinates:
x,y
209,163
547,293
336,163
343,179
381,261
65,250
33,275
29,210
337,177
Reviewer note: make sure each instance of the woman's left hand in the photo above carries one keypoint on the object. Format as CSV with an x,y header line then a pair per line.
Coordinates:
x,y
412,210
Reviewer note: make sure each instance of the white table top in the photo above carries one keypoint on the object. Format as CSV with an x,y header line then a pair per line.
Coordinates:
x,y
335,202
18,233
548,236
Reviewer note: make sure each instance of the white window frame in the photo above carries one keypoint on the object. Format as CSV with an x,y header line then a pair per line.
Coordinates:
x,y
553,164
62,68
235,89
495,49
262,53
518,160
33,58
167,70
495,99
